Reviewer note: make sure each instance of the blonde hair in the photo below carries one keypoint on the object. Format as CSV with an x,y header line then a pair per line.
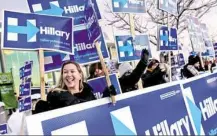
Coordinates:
x,y
61,86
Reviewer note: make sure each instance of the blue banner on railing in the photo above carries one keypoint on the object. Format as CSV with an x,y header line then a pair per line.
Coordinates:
x,y
136,113
201,101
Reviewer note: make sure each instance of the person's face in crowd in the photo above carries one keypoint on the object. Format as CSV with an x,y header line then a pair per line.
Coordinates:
x,y
71,76
154,66
197,65
99,72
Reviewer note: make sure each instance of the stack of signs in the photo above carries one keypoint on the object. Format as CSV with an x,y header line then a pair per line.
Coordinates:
x,y
215,48
170,6
99,85
25,87
3,129
7,90
31,31
207,41
129,6
167,39
195,33
177,60
129,50
84,49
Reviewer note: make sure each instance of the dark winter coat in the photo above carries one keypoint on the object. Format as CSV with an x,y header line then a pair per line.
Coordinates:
x,y
129,80
155,77
59,99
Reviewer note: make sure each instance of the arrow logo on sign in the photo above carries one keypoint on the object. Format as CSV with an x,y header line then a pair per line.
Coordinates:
x,y
54,10
30,30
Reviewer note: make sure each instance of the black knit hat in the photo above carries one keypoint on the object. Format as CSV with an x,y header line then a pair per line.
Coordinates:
x,y
192,59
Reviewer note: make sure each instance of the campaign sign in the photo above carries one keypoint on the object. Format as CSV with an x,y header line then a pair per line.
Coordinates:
x,y
129,50
181,60
195,33
69,8
129,6
215,48
149,111
207,41
25,89
168,38
201,98
25,104
84,53
3,129
169,6
99,84
93,28
32,31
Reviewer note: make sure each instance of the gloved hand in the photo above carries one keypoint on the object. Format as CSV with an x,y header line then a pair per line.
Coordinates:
x,y
145,56
109,91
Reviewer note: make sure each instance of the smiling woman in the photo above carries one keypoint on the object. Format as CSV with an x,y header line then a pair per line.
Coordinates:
x,y
71,89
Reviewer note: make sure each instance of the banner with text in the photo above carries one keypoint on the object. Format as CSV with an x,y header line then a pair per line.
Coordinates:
x,y
135,113
201,99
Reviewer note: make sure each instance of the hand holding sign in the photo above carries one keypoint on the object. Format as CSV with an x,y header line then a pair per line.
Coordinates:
x,y
106,73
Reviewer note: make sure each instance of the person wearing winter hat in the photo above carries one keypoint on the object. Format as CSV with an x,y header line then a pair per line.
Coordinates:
x,y
191,68
128,77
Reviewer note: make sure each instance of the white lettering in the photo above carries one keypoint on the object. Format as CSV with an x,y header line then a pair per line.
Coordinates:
x,y
73,9
53,31
208,108
174,129
83,46
138,2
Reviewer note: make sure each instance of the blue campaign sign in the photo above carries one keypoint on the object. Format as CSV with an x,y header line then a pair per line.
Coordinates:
x,y
99,84
3,129
169,6
84,52
129,49
93,28
201,99
32,31
28,69
129,6
181,60
22,73
168,38
215,49
69,8
25,89
25,104
135,113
